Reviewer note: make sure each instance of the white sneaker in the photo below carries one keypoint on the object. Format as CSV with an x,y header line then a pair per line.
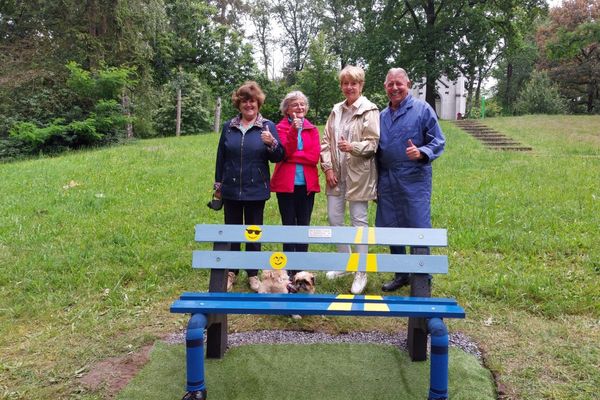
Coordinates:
x,y
360,282
335,274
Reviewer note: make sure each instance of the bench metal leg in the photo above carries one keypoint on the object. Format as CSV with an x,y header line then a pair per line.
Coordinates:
x,y
194,356
420,286
438,375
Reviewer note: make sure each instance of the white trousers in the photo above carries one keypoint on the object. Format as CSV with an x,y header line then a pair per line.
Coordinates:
x,y
359,216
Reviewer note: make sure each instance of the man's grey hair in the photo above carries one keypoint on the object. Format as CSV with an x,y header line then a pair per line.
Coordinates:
x,y
285,103
401,71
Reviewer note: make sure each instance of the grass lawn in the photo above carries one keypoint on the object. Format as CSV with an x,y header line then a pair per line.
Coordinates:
x,y
95,245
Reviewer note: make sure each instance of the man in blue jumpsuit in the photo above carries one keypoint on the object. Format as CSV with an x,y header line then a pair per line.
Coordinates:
x,y
410,139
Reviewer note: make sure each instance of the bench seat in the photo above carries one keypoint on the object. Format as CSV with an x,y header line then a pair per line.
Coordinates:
x,y
317,304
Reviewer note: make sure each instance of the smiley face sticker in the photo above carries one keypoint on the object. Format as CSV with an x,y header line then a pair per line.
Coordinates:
x,y
278,260
253,233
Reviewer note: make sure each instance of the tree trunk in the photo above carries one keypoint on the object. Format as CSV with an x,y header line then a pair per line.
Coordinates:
x,y
217,115
127,112
265,52
178,118
430,92
431,56
507,99
469,105
590,99
478,90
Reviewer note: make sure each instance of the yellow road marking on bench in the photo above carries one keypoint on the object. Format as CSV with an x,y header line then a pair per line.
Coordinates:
x,y
373,297
371,239
340,307
377,307
359,234
352,265
345,296
371,262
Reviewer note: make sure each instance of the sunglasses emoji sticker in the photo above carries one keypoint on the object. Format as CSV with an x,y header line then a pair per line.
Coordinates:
x,y
253,233
278,260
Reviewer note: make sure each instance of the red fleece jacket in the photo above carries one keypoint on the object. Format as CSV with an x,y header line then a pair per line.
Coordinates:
x,y
283,177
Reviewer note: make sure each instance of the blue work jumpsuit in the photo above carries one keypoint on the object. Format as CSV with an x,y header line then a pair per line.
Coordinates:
x,y
404,185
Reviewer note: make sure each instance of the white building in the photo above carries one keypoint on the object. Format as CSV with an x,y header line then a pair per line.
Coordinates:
x,y
450,99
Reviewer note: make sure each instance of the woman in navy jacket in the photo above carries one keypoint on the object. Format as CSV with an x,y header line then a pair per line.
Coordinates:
x,y
242,177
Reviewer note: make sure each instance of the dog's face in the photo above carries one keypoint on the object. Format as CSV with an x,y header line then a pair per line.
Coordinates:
x,y
304,282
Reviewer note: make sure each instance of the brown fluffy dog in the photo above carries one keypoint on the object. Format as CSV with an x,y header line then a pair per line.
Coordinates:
x,y
274,281
304,282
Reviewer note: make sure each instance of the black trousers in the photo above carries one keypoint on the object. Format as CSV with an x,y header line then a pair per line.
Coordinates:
x,y
244,213
296,209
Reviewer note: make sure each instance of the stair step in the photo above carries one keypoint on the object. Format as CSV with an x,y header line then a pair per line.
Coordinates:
x,y
491,138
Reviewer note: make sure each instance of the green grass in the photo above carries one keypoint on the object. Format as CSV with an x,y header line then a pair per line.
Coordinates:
x,y
87,272
306,372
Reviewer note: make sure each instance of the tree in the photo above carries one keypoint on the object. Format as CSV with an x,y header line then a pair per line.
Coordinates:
x,y
319,80
476,51
420,36
338,24
513,71
428,35
197,104
540,96
37,37
570,43
514,20
300,22
197,43
260,15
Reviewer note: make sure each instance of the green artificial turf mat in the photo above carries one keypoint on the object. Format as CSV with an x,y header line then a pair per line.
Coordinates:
x,y
308,372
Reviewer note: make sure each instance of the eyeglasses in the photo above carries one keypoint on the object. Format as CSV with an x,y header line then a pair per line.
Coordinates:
x,y
253,232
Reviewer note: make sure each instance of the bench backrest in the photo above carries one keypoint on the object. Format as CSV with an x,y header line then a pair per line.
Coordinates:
x,y
222,235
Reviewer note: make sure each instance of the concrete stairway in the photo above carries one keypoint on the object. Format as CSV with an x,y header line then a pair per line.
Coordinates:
x,y
490,138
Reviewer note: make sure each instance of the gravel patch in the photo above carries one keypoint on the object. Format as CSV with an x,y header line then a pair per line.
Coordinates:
x,y
458,340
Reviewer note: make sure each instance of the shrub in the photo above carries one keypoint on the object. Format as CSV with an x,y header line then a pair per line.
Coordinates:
x,y
492,109
540,96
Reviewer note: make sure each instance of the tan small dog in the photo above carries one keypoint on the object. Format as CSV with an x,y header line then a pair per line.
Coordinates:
x,y
304,282
274,281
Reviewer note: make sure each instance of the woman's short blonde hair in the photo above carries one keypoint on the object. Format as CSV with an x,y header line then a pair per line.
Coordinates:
x,y
250,90
285,103
352,73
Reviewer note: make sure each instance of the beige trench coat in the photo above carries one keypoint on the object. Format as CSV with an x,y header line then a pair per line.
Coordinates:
x,y
363,133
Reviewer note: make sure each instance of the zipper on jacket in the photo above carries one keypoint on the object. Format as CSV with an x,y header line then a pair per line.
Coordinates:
x,y
263,177
241,163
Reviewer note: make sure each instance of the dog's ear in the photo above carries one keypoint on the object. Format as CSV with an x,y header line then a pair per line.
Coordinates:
x,y
312,280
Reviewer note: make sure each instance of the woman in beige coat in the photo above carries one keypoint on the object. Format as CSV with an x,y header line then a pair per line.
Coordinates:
x,y
348,150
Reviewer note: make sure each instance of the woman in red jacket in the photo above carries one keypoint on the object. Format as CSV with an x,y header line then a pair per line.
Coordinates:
x,y
296,178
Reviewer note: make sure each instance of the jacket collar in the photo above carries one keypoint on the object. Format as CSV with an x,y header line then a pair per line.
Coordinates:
x,y
388,116
236,122
404,105
362,105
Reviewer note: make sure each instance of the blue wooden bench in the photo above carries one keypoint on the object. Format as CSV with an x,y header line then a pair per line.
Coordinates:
x,y
209,310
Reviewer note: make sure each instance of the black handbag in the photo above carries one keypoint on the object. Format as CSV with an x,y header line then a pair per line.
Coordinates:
x,y
215,203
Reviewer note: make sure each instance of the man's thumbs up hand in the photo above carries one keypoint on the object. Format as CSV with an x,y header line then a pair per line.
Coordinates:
x,y
412,152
